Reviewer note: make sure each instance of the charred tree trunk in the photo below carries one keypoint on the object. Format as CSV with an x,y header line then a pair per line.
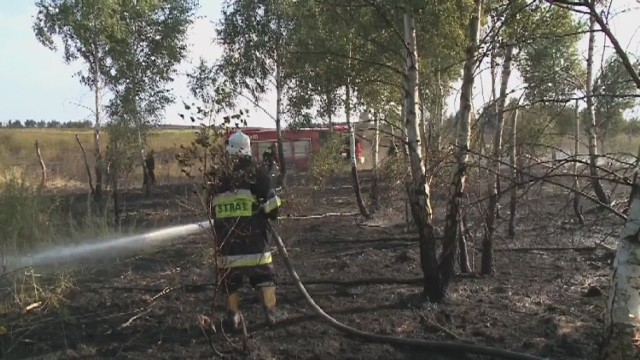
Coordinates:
x,y
375,192
86,165
43,168
418,190
487,243
463,233
495,109
489,115
145,172
446,267
593,139
513,199
352,150
576,182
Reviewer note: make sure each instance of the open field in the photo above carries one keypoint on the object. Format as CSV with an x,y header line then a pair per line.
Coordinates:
x,y
65,164
542,301
64,160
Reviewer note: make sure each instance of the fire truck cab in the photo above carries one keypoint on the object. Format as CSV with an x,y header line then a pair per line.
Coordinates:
x,y
298,145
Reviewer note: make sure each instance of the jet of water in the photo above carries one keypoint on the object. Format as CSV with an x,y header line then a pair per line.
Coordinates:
x,y
105,248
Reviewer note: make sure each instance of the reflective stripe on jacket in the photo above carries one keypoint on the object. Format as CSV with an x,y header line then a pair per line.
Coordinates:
x,y
234,261
241,203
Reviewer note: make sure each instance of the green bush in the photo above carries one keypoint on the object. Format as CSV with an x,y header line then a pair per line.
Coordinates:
x,y
327,162
392,177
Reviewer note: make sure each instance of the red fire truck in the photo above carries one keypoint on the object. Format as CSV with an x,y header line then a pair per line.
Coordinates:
x,y
298,144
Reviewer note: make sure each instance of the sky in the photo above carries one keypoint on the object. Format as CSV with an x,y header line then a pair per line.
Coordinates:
x,y
35,83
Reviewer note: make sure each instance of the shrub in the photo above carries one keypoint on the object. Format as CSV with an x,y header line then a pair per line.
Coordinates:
x,y
327,162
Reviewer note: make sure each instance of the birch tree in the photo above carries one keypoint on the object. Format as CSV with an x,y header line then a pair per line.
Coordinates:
x,y
576,181
592,125
330,50
523,33
487,263
83,29
513,198
372,53
452,221
419,192
255,38
144,49
623,306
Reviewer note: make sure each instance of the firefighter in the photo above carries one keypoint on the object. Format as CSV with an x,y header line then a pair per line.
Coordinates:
x,y
149,175
242,203
269,156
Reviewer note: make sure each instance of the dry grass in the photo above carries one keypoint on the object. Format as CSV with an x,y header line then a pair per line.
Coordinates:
x,y
31,221
63,157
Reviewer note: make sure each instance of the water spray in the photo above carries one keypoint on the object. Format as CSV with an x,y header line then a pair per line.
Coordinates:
x,y
106,247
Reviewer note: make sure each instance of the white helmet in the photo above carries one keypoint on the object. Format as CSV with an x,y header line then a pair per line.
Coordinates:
x,y
239,144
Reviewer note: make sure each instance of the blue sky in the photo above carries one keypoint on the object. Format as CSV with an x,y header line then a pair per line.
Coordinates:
x,y
35,82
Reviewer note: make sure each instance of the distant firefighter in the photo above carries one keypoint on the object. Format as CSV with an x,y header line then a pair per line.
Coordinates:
x,y
150,175
269,156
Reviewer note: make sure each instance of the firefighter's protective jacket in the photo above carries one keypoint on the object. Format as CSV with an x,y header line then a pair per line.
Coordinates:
x,y
241,206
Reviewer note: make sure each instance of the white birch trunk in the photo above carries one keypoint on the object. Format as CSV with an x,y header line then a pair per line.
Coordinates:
x,y
280,140
352,150
593,138
576,181
374,192
622,317
418,190
99,166
487,243
452,221
513,199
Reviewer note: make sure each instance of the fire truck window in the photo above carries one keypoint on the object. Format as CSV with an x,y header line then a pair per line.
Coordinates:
x,y
301,149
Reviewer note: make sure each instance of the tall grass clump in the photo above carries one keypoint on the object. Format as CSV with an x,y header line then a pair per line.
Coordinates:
x,y
31,219
25,216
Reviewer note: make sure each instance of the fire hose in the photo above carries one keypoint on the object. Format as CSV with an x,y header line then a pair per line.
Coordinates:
x,y
435,346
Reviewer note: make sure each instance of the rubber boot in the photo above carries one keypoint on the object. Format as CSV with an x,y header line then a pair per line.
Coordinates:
x,y
232,320
268,296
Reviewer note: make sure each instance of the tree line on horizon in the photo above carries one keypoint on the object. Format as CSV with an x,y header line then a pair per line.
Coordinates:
x,y
46,124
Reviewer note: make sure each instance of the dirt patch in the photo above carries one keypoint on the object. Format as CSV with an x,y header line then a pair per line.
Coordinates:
x,y
159,304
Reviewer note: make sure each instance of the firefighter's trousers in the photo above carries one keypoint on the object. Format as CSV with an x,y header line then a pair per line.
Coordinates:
x,y
259,276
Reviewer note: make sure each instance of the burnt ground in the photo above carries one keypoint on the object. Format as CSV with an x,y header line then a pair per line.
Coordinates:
x,y
153,305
